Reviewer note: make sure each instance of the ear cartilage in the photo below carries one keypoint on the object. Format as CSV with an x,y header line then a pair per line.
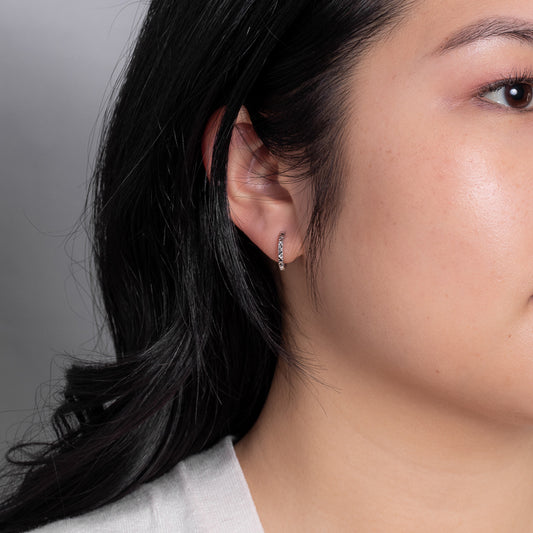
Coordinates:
x,y
281,238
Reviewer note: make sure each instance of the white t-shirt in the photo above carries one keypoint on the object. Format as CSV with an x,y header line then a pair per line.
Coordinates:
x,y
204,493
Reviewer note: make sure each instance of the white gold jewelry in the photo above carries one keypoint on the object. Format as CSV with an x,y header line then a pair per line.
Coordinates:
x,y
281,238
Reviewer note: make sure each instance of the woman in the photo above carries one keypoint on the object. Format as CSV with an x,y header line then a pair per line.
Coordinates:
x,y
313,233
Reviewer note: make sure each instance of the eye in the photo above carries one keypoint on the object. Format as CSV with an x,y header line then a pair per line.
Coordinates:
x,y
515,95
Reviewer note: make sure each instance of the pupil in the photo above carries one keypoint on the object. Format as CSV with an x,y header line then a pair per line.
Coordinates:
x,y
519,95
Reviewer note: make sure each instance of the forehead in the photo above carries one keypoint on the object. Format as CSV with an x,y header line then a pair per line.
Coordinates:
x,y
431,23
433,31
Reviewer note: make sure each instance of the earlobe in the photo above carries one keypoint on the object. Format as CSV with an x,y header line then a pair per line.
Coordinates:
x,y
261,199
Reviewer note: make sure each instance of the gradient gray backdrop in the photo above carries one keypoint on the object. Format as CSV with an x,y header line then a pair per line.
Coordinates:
x,y
57,58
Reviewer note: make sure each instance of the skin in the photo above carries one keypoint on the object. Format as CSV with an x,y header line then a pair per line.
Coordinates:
x,y
419,416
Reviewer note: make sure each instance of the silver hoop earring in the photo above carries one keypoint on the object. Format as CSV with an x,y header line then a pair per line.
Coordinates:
x,y
281,238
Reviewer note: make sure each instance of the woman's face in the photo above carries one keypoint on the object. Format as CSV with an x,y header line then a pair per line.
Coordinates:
x,y
429,276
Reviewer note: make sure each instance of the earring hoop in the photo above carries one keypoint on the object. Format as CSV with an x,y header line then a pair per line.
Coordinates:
x,y
281,263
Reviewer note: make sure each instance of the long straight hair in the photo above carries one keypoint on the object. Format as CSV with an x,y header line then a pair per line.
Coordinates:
x,y
191,304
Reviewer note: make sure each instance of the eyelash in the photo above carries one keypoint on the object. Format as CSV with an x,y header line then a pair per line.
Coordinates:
x,y
519,77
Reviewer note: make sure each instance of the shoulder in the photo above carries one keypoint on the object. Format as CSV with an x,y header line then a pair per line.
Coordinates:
x,y
206,492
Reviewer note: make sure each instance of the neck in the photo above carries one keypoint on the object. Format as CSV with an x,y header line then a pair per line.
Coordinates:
x,y
356,451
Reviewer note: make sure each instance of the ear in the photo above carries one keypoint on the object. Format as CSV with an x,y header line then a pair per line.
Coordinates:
x,y
263,202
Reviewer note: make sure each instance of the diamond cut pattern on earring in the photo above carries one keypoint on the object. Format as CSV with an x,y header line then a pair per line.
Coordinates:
x,y
281,238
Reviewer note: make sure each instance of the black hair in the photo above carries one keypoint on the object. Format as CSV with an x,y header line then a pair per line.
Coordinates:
x,y
191,304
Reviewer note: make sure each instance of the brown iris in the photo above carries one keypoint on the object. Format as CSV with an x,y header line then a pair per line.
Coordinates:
x,y
519,95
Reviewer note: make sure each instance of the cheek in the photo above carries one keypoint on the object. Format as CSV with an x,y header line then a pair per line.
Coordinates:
x,y
432,220
429,268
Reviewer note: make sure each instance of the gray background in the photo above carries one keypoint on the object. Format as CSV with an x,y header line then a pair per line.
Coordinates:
x,y
57,62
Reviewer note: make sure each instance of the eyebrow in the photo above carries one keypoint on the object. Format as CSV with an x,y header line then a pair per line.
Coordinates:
x,y
509,28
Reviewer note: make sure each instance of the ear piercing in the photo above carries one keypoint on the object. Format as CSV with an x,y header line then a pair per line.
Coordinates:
x,y
281,238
